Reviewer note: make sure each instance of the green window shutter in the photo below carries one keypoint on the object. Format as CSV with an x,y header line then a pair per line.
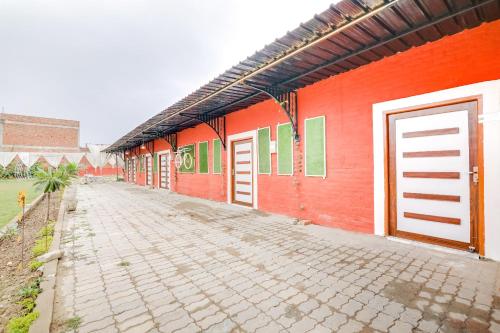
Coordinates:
x,y
217,158
315,146
264,157
155,162
141,163
203,157
285,149
190,167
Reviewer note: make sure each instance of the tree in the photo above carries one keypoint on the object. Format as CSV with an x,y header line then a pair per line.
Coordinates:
x,y
51,181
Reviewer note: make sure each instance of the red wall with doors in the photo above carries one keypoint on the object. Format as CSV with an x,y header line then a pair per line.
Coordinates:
x,y
345,197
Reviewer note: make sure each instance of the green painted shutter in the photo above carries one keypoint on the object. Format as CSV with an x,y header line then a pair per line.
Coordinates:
x,y
315,146
203,156
155,162
141,164
285,149
264,138
188,150
217,162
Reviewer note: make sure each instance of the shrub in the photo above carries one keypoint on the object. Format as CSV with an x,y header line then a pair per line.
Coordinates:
x,y
22,324
40,247
35,264
28,304
48,230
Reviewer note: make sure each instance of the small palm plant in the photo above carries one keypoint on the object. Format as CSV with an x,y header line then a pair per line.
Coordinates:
x,y
51,181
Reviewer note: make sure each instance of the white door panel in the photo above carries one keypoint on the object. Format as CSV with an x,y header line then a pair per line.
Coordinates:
x,y
406,142
165,171
243,172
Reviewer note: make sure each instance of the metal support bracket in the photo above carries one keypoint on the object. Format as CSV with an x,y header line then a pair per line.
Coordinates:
x,y
287,100
150,147
218,124
171,138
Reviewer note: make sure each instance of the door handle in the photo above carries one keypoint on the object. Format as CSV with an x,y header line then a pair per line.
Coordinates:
x,y
475,174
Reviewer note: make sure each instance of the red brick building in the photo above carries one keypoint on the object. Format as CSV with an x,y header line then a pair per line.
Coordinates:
x,y
368,118
50,141
32,134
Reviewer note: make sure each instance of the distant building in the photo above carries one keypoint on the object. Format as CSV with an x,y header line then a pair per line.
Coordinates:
x,y
28,140
38,134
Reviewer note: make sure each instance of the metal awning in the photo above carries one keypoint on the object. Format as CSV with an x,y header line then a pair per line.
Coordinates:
x,y
347,35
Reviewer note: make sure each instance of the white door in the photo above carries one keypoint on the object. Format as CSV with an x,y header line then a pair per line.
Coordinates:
x,y
134,170
433,160
129,178
164,171
242,173
149,170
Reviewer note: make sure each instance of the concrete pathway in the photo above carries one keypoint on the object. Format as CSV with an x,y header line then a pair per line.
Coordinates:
x,y
139,260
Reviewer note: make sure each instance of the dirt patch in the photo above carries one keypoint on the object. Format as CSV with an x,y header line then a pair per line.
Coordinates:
x,y
232,251
193,206
250,238
12,277
182,269
291,311
402,291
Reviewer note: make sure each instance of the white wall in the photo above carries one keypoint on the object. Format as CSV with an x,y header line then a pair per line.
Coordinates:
x,y
490,91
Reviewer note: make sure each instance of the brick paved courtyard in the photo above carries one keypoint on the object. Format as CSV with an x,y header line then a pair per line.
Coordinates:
x,y
139,260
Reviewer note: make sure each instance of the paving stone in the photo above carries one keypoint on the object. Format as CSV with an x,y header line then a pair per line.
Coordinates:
x,y
136,320
197,265
335,321
352,326
96,325
321,313
382,322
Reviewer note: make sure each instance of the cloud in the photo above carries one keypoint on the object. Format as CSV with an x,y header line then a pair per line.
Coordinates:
x,y
114,64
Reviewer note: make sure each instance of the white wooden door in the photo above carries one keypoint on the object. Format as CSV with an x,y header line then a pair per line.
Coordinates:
x,y
242,173
134,170
165,171
149,170
435,175
129,167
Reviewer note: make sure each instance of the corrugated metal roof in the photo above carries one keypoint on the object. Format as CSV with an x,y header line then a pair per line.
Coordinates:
x,y
347,35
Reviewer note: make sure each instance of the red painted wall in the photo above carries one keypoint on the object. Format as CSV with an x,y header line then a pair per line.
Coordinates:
x,y
345,198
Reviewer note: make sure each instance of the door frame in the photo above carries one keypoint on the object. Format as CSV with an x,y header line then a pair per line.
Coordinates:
x,y
475,137
479,227
229,149
158,171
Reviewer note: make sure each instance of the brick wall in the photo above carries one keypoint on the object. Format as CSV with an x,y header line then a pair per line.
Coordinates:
x,y
345,197
26,133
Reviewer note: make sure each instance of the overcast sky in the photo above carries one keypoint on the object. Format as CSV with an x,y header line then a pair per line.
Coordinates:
x,y
112,64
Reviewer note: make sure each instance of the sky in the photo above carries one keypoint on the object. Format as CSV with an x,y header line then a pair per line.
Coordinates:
x,y
112,64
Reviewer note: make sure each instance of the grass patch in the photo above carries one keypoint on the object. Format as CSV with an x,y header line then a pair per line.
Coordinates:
x,y
124,263
73,323
41,246
22,324
8,197
9,233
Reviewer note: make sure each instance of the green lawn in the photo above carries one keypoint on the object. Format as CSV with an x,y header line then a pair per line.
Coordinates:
x,y
8,197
